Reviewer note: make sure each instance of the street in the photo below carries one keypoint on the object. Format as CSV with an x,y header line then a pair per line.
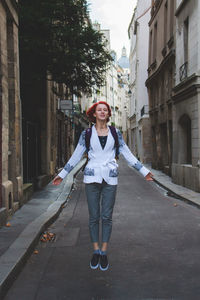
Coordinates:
x,y
153,252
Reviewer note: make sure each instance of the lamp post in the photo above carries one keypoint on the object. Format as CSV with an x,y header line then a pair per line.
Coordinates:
x,y
125,109
129,93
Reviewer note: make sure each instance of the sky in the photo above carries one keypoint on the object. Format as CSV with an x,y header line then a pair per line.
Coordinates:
x,y
116,16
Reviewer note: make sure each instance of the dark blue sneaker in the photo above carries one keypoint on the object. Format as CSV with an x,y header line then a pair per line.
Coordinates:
x,y
103,262
94,263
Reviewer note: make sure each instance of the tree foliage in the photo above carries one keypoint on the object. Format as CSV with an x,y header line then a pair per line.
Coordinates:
x,y
57,36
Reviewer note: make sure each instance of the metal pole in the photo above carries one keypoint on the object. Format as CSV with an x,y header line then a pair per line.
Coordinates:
x,y
113,95
1,203
73,125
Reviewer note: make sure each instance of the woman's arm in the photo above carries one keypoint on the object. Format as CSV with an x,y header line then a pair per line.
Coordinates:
x,y
75,158
131,159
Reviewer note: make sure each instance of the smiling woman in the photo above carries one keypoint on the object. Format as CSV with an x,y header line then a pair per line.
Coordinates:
x,y
99,108
102,143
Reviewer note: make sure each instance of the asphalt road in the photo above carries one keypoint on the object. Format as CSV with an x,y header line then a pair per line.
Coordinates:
x,y
154,250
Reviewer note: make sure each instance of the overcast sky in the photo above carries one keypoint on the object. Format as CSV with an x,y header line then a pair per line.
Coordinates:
x,y
116,16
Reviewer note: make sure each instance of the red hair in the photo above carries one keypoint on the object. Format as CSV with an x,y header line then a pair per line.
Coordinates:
x,y
90,112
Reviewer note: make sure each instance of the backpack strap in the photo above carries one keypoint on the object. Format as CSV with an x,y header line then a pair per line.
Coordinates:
x,y
115,136
88,134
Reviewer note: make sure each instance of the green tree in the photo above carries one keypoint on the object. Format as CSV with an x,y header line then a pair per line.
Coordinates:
x,y
57,36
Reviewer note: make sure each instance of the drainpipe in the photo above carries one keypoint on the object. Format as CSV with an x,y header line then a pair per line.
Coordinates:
x,y
1,204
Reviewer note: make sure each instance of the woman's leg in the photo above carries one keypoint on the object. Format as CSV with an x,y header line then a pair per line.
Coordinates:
x,y
104,246
93,193
108,201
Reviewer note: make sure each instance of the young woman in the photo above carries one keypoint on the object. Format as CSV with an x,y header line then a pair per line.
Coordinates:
x,y
101,177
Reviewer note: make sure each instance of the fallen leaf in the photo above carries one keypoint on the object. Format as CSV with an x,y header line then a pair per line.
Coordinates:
x,y
36,252
8,224
43,240
47,236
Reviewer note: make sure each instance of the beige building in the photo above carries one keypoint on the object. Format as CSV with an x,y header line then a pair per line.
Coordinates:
x,y
140,133
47,133
112,92
173,86
160,82
10,110
186,96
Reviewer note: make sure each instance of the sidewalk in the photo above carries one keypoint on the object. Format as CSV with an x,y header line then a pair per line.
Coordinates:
x,y
18,241
179,191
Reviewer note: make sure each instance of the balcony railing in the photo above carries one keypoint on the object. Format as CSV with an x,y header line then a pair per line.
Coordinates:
x,y
144,110
183,71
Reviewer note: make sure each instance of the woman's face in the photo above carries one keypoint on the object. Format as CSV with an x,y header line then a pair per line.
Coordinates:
x,y
101,112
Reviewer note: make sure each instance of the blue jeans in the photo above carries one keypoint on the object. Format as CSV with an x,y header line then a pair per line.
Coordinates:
x,y
104,194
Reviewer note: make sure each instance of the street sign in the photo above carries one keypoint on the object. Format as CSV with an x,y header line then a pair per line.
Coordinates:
x,y
65,104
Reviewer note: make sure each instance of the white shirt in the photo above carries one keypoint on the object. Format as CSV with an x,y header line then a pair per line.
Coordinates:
x,y
101,162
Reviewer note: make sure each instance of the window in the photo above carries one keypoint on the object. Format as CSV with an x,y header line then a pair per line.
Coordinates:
x,y
171,17
164,144
162,89
170,82
155,42
165,23
185,140
185,36
150,47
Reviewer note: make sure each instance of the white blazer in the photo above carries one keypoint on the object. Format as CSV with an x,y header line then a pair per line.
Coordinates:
x,y
101,162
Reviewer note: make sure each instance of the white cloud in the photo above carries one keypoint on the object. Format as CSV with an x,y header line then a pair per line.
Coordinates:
x,y
116,16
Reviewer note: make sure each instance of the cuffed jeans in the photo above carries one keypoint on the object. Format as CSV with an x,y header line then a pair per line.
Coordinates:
x,y
100,195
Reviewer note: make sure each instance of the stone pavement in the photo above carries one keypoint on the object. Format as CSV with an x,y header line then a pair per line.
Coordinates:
x,y
174,189
153,252
18,241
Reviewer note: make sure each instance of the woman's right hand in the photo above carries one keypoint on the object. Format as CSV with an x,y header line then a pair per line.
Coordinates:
x,y
57,180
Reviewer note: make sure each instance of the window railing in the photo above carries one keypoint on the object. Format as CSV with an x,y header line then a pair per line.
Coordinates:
x,y
183,71
144,110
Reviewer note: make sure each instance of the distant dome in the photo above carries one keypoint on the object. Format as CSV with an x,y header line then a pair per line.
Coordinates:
x,y
124,61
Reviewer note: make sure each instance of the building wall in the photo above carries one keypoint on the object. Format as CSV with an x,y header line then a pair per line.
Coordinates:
x,y
186,111
11,108
1,201
111,92
139,117
160,82
190,11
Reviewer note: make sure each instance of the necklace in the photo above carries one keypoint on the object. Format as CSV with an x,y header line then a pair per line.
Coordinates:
x,y
103,131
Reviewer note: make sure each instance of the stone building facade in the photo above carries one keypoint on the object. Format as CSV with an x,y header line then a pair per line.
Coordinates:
x,y
160,82
11,150
47,131
37,136
112,92
139,133
186,96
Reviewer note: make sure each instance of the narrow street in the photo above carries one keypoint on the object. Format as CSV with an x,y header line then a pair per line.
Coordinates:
x,y
153,253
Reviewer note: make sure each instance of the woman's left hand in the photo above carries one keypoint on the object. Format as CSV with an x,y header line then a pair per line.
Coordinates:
x,y
149,176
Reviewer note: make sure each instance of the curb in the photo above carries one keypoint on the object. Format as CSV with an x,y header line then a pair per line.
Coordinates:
x,y
17,254
177,191
176,195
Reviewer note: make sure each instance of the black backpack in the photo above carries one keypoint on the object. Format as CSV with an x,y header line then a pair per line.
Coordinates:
x,y
88,134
